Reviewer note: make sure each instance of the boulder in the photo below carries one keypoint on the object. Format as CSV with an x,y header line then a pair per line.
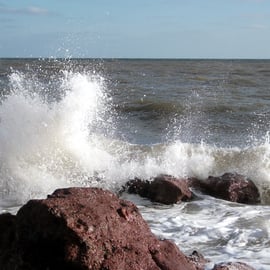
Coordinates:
x,y
84,228
164,189
230,186
233,266
7,237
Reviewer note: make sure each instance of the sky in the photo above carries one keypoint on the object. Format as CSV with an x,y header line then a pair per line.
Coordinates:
x,y
135,28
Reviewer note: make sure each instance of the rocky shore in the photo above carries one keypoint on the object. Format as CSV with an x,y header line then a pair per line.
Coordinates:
x,y
167,189
91,228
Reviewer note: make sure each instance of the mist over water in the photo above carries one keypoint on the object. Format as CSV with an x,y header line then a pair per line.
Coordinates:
x,y
89,123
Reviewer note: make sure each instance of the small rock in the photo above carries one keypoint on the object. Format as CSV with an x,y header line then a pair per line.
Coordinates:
x,y
164,189
233,266
198,260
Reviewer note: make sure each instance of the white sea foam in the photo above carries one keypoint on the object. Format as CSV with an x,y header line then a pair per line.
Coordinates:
x,y
220,230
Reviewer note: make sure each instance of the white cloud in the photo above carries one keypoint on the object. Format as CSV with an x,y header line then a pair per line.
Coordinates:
x,y
36,10
32,10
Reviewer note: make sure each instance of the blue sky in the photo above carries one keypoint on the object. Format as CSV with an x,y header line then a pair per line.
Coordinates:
x,y
135,28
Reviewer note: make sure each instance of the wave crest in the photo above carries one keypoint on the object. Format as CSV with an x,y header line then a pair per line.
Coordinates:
x,y
66,138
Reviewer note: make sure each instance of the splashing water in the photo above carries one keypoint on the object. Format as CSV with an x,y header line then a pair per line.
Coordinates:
x,y
69,141
61,130
46,145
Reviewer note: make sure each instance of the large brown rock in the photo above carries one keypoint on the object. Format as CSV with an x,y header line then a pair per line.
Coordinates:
x,y
7,237
84,228
230,186
164,189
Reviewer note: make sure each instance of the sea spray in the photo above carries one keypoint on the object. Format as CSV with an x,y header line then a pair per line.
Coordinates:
x,y
61,132
46,145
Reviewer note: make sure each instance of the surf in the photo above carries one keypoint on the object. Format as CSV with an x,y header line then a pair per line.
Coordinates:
x,y
63,133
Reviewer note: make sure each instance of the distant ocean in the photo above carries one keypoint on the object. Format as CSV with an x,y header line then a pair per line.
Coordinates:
x,y
87,122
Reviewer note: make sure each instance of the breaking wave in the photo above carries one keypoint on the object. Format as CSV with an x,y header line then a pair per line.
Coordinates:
x,y
62,133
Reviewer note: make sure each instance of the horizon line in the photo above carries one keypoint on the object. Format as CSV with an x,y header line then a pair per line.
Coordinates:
x,y
129,58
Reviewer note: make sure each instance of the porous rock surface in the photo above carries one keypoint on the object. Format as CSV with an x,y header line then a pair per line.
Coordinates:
x,y
81,229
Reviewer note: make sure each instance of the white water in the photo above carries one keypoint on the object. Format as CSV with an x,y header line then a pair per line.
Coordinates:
x,y
46,145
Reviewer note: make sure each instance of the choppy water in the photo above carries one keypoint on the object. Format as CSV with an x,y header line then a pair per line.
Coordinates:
x,y
102,122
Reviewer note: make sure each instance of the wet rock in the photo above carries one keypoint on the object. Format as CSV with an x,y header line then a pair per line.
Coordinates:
x,y
233,266
164,189
198,260
138,186
166,255
230,186
7,237
85,228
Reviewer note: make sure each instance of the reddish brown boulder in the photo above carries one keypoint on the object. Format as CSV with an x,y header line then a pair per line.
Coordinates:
x,y
86,228
164,189
233,266
230,186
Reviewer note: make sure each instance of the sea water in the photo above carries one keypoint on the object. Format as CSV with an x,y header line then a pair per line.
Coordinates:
x,y
92,122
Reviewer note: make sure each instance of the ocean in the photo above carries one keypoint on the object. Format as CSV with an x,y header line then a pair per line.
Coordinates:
x,y
96,122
